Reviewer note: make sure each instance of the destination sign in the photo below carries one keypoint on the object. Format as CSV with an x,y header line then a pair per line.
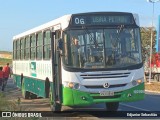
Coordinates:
x,y
102,19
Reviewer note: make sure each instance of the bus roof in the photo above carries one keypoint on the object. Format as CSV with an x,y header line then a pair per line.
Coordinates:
x,y
61,22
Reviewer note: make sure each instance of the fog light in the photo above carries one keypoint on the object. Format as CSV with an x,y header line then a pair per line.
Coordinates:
x,y
83,98
129,95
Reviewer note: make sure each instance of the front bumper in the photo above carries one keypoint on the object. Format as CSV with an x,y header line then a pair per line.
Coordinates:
x,y
73,97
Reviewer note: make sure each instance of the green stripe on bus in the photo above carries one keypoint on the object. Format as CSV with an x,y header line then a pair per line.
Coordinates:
x,y
73,97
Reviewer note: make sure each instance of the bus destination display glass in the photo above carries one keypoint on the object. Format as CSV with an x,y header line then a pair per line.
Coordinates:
x,y
102,20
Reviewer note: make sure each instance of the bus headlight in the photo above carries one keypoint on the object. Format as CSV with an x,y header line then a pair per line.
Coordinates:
x,y
76,86
72,85
136,82
139,81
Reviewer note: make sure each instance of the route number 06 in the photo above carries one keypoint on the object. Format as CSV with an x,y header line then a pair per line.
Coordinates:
x,y
79,21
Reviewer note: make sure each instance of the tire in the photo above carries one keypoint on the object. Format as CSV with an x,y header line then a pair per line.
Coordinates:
x,y
25,94
33,96
47,87
156,77
54,106
112,106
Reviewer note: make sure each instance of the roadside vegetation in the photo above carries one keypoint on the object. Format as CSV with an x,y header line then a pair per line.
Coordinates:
x,y
3,61
6,105
5,52
8,58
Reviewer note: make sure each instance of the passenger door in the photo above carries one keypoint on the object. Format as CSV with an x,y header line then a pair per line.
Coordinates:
x,y
56,63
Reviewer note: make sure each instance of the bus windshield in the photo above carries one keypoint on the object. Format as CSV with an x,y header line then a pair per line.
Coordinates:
x,y
102,48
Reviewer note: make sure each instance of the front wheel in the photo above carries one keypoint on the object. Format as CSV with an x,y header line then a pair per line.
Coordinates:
x,y
53,104
112,106
55,107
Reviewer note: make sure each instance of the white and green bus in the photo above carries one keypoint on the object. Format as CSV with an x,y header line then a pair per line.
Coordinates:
x,y
106,67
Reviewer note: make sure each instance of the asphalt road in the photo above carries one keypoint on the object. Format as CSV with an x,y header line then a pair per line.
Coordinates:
x,y
149,104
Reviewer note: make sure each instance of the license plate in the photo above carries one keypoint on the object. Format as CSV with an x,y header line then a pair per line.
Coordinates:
x,y
106,93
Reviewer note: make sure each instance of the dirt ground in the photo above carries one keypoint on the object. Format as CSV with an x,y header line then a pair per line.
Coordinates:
x,y
13,94
152,86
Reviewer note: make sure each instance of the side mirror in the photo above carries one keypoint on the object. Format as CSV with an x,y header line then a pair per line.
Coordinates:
x,y
60,44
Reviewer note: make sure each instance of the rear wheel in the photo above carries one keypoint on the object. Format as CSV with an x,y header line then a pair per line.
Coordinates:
x,y
25,93
33,96
112,106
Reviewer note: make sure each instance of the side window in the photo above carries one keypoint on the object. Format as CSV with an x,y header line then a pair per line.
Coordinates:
x,y
33,46
39,45
47,45
14,50
18,50
58,34
27,48
66,47
22,48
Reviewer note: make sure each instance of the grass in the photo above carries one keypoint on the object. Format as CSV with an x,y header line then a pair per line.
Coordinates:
x,y
6,105
6,52
4,61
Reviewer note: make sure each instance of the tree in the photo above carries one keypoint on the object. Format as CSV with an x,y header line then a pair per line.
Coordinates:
x,y
146,41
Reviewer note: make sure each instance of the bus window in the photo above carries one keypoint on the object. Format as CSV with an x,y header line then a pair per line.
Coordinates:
x,y
14,50
39,45
66,48
22,49
27,48
18,49
33,46
47,45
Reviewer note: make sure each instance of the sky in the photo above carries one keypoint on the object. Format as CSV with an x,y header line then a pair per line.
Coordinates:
x,y
17,16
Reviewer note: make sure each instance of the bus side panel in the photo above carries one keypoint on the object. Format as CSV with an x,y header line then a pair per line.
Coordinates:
x,y
35,86
32,85
41,88
17,80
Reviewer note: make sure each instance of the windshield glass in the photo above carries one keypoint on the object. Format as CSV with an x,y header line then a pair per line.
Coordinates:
x,y
102,48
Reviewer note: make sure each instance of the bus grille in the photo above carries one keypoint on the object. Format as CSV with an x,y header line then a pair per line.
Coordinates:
x,y
109,75
101,86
